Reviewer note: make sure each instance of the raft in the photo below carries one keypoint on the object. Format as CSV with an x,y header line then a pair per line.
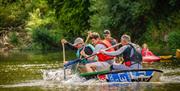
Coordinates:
x,y
150,59
178,53
136,75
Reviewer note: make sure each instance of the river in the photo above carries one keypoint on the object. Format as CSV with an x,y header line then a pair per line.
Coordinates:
x,y
42,71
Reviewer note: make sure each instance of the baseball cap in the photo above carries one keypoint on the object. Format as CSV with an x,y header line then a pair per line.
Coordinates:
x,y
77,41
126,37
107,32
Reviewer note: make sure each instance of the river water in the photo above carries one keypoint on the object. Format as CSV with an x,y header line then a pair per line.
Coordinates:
x,y
42,71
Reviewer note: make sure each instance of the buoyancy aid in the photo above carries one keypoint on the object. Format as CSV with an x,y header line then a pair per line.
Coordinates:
x,y
112,41
130,57
88,50
146,52
104,57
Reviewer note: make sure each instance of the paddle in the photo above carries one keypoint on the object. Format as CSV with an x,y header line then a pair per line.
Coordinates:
x,y
64,60
83,50
78,60
71,62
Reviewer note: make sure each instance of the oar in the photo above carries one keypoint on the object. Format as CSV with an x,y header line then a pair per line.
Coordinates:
x,y
112,46
64,60
82,50
71,62
78,60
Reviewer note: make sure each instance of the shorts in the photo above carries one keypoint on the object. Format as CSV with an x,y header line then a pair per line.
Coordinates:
x,y
124,67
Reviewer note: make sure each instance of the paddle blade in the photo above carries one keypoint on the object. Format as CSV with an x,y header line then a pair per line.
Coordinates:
x,y
71,62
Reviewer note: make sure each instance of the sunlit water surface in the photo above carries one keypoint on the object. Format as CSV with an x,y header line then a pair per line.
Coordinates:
x,y
42,71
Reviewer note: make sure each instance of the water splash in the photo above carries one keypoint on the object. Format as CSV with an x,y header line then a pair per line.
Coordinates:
x,y
58,75
55,78
71,79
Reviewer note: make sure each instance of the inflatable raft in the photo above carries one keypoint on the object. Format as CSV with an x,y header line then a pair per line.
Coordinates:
x,y
136,75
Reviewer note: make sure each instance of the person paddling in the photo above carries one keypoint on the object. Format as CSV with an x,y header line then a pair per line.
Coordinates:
x,y
107,36
79,45
104,61
132,57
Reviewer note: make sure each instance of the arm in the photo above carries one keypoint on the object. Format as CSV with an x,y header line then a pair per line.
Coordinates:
x,y
88,50
98,47
71,46
68,44
115,53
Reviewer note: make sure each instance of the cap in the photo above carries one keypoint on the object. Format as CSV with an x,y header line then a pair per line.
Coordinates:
x,y
126,37
77,41
107,32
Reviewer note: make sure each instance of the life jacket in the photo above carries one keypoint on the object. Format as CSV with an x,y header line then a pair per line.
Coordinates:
x,y
104,57
130,57
112,41
146,52
89,49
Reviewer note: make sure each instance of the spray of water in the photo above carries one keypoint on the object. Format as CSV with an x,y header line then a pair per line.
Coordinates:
x,y
73,79
58,75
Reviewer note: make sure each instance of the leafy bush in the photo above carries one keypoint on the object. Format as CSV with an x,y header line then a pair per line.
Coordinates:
x,y
174,39
44,38
72,15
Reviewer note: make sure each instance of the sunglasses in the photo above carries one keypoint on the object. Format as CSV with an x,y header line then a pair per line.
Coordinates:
x,y
105,34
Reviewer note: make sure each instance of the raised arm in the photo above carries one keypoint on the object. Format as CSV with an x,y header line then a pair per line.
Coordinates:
x,y
70,45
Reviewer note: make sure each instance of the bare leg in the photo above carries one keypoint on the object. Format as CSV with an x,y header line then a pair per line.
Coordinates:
x,y
89,67
82,68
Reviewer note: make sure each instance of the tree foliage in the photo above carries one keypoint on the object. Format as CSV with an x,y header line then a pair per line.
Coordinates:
x,y
155,22
134,17
173,40
72,15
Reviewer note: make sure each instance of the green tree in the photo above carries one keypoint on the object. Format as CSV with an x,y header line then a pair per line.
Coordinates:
x,y
145,20
73,16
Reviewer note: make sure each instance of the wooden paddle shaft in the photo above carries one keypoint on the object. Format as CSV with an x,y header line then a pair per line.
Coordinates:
x,y
85,45
112,46
64,58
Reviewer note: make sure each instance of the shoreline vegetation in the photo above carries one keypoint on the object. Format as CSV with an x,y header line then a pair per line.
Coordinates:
x,y
40,24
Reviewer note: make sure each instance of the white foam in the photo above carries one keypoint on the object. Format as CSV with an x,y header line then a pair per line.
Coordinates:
x,y
71,79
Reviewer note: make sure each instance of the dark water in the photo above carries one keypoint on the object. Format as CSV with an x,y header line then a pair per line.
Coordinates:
x,y
23,71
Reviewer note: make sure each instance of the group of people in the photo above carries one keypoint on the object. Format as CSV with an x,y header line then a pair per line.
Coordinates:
x,y
104,54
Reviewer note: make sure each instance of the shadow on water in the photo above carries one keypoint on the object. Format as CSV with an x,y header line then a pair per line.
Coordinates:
x,y
42,71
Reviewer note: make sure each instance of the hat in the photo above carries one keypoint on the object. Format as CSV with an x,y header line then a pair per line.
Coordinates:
x,y
77,41
126,37
107,32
